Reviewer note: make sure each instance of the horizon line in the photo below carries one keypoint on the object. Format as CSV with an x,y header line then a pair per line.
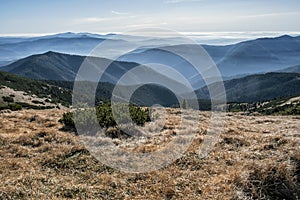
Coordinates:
x,y
189,33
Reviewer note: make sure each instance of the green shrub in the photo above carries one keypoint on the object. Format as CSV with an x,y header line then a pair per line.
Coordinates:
x,y
139,115
37,102
14,107
105,117
67,119
11,106
36,107
8,99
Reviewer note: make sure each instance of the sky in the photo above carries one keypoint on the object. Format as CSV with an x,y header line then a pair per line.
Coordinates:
x,y
29,17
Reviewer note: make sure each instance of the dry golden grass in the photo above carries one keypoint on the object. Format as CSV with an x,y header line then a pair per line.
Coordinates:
x,y
257,157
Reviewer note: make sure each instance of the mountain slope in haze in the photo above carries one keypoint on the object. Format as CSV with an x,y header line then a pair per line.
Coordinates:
x,y
79,44
14,48
82,45
293,69
249,57
57,66
260,55
253,56
48,66
16,39
166,58
258,87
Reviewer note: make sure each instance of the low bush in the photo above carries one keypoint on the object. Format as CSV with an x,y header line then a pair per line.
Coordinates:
x,y
8,99
14,106
35,107
11,106
37,102
105,116
67,119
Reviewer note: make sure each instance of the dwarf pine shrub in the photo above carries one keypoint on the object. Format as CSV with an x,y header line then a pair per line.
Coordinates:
x,y
105,116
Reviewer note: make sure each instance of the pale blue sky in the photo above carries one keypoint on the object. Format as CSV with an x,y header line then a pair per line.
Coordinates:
x,y
99,16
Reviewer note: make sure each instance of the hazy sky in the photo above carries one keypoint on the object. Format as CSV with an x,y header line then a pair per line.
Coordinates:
x,y
52,16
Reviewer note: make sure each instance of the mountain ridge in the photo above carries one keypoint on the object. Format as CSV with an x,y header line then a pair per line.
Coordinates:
x,y
258,87
251,56
58,66
249,89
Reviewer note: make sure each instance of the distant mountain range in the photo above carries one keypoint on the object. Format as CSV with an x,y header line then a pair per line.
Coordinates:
x,y
14,48
249,57
243,66
260,55
81,45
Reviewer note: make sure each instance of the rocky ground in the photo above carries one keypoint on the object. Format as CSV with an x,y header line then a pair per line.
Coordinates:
x,y
256,157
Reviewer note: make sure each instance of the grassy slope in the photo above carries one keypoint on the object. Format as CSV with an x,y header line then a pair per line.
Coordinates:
x,y
252,159
278,106
39,88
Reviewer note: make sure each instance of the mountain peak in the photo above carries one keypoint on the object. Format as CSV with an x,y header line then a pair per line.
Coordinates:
x,y
282,37
285,37
66,34
53,53
50,53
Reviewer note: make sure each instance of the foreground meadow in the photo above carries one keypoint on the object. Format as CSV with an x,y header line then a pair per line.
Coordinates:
x,y
256,157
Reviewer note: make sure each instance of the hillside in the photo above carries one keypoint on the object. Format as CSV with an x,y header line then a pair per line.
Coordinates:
x,y
258,87
146,95
58,66
278,106
37,88
251,88
60,91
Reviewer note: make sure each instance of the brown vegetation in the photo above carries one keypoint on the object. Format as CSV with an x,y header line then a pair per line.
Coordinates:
x,y
257,157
